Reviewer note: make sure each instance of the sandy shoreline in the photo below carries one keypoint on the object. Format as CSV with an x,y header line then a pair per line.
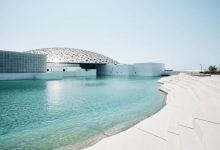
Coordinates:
x,y
190,119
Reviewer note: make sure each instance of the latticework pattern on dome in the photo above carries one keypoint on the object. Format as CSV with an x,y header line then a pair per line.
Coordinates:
x,y
71,55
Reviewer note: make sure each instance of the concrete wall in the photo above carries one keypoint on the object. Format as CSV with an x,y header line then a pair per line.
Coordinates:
x,y
80,73
16,76
29,76
18,62
119,70
148,69
47,76
60,67
138,69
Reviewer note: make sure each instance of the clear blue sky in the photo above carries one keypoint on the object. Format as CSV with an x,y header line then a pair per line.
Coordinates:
x,y
182,34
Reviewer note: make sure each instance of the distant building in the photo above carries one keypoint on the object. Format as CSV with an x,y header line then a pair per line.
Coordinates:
x,y
56,63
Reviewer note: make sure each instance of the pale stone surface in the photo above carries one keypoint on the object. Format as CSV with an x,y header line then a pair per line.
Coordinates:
x,y
190,120
131,139
173,141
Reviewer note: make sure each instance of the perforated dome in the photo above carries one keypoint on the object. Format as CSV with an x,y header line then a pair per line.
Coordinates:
x,y
71,55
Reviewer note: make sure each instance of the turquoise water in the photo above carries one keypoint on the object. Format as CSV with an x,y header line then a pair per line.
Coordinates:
x,y
73,112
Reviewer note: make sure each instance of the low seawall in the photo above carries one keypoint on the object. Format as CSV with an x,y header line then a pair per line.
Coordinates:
x,y
47,76
30,76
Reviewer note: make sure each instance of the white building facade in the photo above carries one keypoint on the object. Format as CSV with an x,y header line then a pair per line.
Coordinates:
x,y
137,69
56,63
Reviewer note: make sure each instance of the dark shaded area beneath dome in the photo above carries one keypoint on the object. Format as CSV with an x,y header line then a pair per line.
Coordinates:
x,y
89,66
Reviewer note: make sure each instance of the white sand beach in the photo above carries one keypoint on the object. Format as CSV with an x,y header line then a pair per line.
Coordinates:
x,y
190,120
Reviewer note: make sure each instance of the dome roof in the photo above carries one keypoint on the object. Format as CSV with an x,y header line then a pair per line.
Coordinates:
x,y
71,55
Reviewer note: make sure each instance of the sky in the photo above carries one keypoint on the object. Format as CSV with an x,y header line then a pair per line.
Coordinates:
x,y
180,33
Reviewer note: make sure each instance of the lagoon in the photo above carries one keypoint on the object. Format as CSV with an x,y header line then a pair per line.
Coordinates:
x,y
75,112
